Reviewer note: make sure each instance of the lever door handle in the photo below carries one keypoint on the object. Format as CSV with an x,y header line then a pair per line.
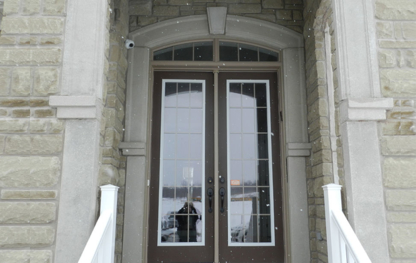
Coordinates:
x,y
210,193
222,194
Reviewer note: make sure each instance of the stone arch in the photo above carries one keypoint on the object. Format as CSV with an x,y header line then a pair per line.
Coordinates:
x,y
136,144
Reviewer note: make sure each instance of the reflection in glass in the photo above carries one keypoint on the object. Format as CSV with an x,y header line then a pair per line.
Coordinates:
x,y
196,95
268,55
169,146
183,52
203,51
183,95
249,146
248,120
163,54
263,172
248,53
182,167
265,229
250,201
237,200
262,146
235,95
264,200
236,172
235,120
249,172
228,51
182,120
262,120
183,146
195,124
169,172
235,146
170,95
195,149
238,227
170,119
261,95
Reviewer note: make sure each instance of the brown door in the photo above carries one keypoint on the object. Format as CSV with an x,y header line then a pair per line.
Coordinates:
x,y
182,190
251,227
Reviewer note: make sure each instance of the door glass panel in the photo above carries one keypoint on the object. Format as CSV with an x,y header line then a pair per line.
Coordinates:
x,y
235,95
183,52
228,51
163,54
196,95
248,53
181,201
267,55
203,51
250,202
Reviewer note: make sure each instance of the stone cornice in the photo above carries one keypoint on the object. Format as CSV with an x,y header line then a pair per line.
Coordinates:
x,y
76,107
133,148
298,149
364,109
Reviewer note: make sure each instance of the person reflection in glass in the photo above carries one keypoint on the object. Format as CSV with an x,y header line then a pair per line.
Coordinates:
x,y
187,212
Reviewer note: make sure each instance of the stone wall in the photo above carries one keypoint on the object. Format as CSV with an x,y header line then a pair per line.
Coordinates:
x,y
326,162
396,33
113,165
31,137
287,13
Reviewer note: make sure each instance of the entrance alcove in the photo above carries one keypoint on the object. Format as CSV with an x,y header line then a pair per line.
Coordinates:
x,y
290,90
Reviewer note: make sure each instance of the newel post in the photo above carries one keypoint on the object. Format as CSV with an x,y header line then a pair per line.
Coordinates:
x,y
332,194
109,203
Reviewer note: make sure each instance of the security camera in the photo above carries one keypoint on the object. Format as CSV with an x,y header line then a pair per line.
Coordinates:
x,y
129,44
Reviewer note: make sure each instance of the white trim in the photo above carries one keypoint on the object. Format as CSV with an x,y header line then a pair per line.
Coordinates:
x,y
270,161
159,218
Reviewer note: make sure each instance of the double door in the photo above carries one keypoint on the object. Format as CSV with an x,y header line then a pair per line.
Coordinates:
x,y
215,189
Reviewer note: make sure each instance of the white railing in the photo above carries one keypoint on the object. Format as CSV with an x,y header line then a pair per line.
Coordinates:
x,y
100,246
343,244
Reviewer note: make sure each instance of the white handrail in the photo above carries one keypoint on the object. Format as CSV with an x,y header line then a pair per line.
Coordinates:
x,y
101,244
343,243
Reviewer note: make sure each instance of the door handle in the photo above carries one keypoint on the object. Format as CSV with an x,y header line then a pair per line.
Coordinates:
x,y
210,193
222,194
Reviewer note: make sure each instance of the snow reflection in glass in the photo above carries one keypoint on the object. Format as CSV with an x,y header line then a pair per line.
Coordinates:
x,y
181,199
250,213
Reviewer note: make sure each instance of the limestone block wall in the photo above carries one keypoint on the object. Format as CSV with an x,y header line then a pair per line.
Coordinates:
x,y
326,161
396,33
31,137
283,12
113,165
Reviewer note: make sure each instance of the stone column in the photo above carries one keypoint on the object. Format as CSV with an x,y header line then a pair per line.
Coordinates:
x,y
80,103
361,108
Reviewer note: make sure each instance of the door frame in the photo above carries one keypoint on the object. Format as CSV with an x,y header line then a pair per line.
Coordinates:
x,y
294,136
